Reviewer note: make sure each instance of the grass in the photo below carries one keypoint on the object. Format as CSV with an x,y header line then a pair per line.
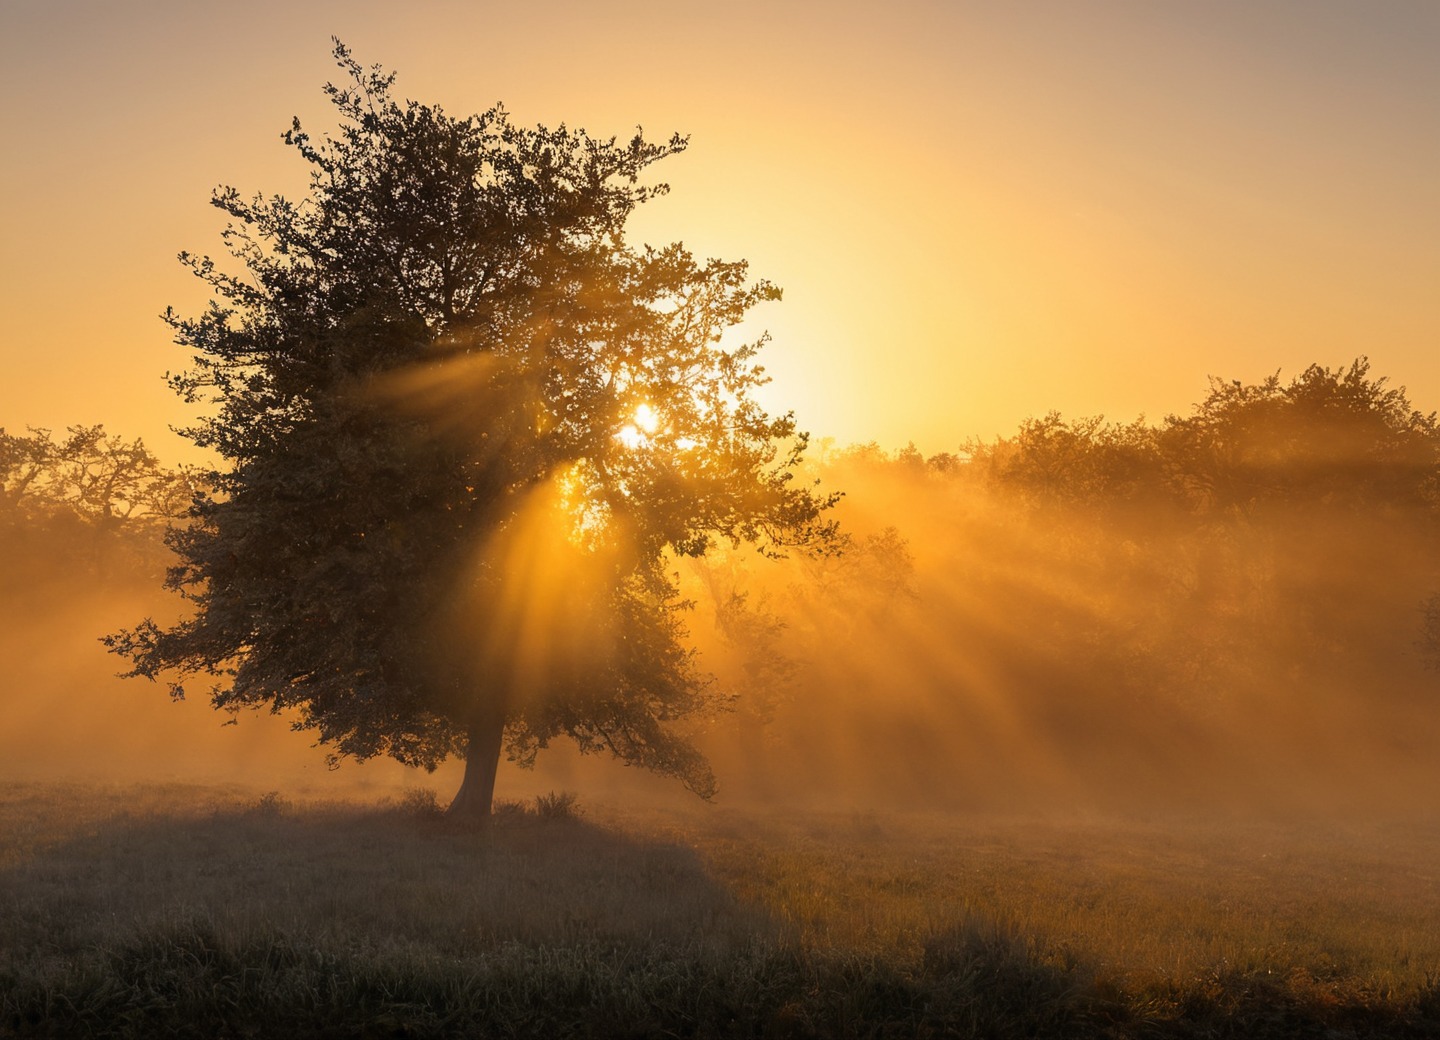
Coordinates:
x,y
202,912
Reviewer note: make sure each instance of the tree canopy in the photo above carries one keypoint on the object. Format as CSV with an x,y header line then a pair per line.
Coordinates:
x,y
464,427
1330,438
94,476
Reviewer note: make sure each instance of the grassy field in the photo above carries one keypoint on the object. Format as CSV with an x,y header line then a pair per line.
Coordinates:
x,y
207,912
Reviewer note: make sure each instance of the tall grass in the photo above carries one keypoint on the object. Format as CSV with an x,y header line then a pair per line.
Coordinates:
x,y
188,911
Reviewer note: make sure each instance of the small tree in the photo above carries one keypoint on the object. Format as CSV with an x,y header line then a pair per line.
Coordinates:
x,y
464,427
95,475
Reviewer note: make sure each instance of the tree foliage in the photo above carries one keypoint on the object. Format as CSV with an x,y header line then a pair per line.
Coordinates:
x,y
1331,438
1281,521
96,477
83,506
464,426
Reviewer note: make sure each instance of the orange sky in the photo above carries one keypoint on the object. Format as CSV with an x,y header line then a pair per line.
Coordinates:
x,y
979,211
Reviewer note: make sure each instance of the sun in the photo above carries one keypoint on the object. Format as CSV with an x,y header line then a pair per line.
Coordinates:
x,y
640,429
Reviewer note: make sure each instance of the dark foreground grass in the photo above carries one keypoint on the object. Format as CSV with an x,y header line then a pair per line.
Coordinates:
x,y
193,983
194,913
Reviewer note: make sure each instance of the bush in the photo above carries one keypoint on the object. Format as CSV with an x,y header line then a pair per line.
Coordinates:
x,y
271,804
557,806
420,802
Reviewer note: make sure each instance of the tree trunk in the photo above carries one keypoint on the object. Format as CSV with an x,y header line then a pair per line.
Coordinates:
x,y
482,758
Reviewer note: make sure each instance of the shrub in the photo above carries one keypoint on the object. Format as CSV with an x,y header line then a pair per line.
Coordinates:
x,y
557,806
420,802
271,804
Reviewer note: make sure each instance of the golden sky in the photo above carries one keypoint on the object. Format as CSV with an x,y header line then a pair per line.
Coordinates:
x,y
978,211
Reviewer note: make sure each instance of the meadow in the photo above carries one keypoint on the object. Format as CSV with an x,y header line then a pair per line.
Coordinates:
x,y
218,911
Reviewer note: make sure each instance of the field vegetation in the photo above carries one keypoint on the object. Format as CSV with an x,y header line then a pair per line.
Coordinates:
x,y
201,911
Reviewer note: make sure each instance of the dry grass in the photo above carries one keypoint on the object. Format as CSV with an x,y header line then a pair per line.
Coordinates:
x,y
1170,897
216,912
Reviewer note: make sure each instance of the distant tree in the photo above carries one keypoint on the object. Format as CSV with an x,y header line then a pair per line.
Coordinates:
x,y
1055,461
1327,487
753,637
86,506
946,462
1337,438
464,425
93,476
108,480
1300,514
23,462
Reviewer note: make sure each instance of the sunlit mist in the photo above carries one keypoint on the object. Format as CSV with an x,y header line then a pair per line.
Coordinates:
x,y
1048,619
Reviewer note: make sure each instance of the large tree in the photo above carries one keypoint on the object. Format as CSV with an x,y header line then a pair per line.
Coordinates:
x,y
465,428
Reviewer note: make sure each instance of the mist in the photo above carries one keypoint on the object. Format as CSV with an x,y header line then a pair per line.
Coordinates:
x,y
1083,617
979,650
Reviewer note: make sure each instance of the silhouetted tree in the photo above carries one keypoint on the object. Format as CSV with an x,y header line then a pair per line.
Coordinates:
x,y
1330,438
1293,517
1336,438
1086,462
82,512
464,425
97,475
23,463
108,480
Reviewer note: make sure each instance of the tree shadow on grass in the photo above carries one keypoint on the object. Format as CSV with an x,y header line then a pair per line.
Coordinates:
x,y
377,878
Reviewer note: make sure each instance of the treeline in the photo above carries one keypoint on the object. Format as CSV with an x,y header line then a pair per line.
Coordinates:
x,y
81,505
1244,598
1333,439
1308,511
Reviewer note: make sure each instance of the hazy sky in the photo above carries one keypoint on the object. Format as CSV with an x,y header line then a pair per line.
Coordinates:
x,y
978,211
